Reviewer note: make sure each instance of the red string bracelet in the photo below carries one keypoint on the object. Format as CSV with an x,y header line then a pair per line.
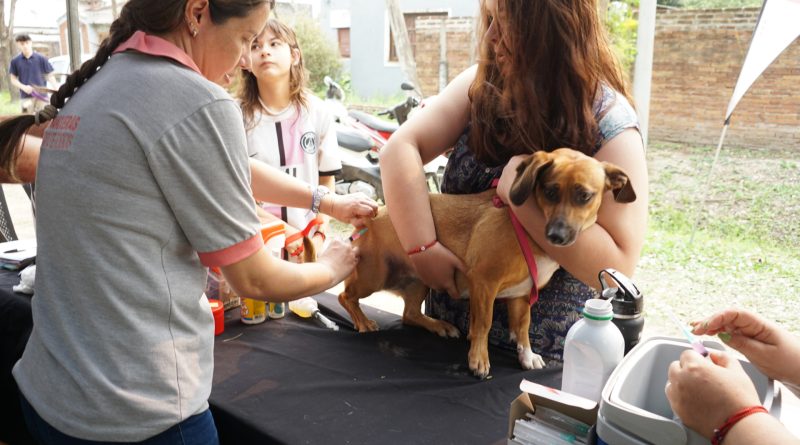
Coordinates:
x,y
719,433
422,248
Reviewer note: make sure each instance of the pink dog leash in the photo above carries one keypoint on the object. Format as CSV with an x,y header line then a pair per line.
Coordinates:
x,y
522,238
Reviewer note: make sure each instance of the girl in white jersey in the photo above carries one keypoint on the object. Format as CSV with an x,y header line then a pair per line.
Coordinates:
x,y
288,127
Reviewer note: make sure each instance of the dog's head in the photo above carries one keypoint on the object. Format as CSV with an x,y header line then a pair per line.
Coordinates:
x,y
568,187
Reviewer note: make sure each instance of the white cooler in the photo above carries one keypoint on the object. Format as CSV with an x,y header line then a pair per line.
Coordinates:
x,y
634,408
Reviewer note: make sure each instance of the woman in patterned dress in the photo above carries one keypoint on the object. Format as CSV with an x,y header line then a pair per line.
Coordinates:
x,y
546,78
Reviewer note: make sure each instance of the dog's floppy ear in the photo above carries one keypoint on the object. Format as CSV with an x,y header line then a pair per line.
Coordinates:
x,y
619,183
309,250
527,173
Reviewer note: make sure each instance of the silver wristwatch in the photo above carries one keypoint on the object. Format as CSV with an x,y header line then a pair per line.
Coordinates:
x,y
316,198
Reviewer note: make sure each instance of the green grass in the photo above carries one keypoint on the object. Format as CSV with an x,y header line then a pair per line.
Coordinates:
x,y
6,105
729,240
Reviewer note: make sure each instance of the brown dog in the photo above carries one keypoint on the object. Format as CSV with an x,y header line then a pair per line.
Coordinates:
x,y
567,186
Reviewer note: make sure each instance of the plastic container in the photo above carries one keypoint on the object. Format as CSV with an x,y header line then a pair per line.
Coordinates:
x,y
218,311
634,409
274,236
592,349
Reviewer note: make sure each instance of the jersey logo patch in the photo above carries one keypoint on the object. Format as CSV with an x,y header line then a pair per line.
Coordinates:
x,y
309,142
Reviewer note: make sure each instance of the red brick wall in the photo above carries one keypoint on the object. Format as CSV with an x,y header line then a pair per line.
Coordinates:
x,y
698,55
459,49
697,59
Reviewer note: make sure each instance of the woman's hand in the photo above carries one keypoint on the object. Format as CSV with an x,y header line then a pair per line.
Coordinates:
x,y
772,349
704,393
354,208
436,267
509,176
341,258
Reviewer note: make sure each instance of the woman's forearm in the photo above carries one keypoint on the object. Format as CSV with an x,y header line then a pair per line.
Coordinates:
x,y
272,185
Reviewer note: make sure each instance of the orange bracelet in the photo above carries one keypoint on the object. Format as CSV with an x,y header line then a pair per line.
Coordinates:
x,y
422,248
719,433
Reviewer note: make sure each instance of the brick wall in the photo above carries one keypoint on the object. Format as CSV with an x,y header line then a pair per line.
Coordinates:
x,y
697,59
460,46
698,55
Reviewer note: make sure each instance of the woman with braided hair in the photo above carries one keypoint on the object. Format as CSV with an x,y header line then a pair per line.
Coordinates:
x,y
143,181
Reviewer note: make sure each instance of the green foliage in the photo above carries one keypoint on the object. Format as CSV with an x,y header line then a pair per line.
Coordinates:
x,y
711,4
622,26
320,54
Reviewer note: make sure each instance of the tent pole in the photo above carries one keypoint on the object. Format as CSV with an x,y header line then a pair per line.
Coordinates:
x,y
698,211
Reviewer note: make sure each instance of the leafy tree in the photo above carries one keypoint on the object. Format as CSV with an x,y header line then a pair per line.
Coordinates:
x,y
320,54
622,26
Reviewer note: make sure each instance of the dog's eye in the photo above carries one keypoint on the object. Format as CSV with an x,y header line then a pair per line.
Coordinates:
x,y
551,193
583,197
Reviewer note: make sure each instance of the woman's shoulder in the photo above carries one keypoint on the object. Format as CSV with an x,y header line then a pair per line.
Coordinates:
x,y
614,114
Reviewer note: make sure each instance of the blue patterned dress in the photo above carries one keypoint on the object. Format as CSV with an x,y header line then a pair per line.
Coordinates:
x,y
561,301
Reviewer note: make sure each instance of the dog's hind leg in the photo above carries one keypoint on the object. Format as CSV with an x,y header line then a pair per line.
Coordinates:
x,y
413,295
355,290
519,322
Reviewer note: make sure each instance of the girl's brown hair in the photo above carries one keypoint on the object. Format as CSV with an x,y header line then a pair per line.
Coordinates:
x,y
556,57
150,16
298,76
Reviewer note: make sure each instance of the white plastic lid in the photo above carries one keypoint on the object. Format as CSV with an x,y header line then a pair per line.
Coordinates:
x,y
598,309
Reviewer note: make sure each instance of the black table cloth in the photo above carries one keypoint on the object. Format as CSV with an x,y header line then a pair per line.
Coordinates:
x,y
293,381
15,328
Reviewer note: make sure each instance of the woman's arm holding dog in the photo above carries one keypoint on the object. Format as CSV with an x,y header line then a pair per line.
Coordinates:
x,y
430,132
616,239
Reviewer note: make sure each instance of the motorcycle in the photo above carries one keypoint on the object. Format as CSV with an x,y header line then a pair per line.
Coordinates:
x,y
362,135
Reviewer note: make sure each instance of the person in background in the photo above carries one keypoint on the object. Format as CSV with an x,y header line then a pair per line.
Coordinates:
x,y
546,78
28,71
288,127
716,398
142,143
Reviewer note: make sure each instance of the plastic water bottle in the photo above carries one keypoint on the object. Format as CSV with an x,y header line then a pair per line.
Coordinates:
x,y
593,348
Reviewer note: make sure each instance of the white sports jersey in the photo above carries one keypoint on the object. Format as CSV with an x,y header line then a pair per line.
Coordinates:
x,y
300,141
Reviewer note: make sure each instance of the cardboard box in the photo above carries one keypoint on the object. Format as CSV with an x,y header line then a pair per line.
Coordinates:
x,y
534,394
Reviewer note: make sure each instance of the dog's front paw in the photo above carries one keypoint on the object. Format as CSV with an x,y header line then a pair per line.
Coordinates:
x,y
479,364
528,359
445,329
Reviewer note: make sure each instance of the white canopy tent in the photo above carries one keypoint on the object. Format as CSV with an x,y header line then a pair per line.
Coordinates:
x,y
777,27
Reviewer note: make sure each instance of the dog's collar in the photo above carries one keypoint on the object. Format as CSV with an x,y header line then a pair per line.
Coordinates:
x,y
522,238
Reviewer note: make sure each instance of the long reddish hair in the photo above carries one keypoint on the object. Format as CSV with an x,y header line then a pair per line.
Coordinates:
x,y
558,56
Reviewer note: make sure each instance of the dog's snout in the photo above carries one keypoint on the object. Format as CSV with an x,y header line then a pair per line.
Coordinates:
x,y
559,233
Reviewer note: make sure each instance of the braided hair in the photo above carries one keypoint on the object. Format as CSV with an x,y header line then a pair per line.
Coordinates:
x,y
150,16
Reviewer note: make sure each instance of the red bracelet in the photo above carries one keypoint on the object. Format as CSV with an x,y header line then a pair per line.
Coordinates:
x,y
422,248
719,433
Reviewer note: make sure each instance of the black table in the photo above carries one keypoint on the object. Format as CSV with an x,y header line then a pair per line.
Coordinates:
x,y
293,381
15,328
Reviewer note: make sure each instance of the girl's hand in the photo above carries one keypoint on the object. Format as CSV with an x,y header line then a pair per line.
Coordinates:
x,y
437,266
293,248
772,349
508,177
704,393
341,258
354,208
